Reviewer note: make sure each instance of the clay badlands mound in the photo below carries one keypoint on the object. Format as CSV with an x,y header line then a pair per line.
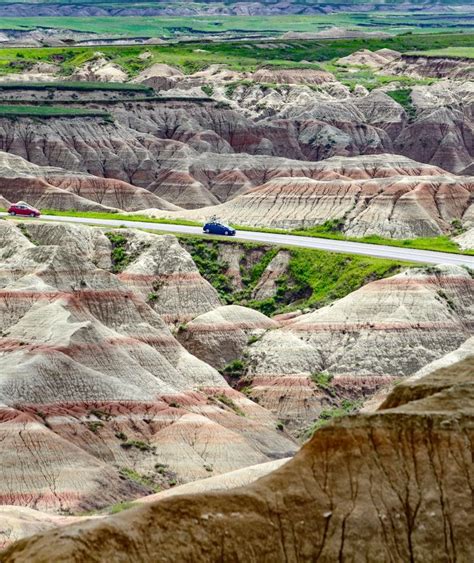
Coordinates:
x,y
56,188
387,486
386,195
386,330
99,402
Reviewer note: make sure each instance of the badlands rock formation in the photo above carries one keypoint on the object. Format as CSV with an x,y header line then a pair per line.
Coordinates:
x,y
99,402
18,522
385,195
100,70
386,330
220,336
341,497
166,277
56,188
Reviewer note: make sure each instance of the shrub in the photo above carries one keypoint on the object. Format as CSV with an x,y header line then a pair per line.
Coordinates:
x,y
322,380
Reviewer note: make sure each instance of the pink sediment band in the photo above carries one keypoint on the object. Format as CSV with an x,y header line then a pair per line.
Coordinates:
x,y
185,276
11,345
81,409
45,498
227,326
354,327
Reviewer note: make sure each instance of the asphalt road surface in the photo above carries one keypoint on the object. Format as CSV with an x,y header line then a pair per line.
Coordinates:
x,y
363,249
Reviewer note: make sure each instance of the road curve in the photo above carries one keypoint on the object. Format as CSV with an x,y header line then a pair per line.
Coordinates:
x,y
363,249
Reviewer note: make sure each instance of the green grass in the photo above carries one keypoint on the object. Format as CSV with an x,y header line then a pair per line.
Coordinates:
x,y
171,27
464,52
46,112
242,56
327,276
403,97
346,407
79,86
367,77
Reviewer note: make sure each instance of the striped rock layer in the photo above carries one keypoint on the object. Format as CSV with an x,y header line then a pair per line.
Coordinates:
x,y
48,187
385,195
390,485
98,401
384,331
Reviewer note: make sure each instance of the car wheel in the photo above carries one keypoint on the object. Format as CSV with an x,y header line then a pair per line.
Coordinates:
x,y
32,215
12,213
226,232
206,231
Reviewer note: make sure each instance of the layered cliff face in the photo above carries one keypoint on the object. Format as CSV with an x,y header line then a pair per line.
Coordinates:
x,y
386,195
340,497
158,144
384,331
99,402
56,188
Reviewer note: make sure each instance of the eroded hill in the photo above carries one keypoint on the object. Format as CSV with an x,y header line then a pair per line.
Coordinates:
x,y
391,484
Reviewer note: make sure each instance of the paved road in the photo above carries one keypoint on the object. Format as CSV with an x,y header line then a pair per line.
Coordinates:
x,y
364,249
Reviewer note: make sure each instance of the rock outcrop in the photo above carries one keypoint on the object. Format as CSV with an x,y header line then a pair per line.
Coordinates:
x,y
220,336
386,195
95,392
386,330
340,497
166,277
56,188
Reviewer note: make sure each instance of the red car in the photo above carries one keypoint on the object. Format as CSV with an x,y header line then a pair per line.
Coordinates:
x,y
22,208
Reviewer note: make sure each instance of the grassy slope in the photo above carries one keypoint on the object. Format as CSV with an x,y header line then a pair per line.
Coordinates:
x,y
314,279
49,112
244,56
170,26
467,52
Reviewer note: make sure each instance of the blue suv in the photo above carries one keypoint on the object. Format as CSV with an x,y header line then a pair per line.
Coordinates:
x,y
216,228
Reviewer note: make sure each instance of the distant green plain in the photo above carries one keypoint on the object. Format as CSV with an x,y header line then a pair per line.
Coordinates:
x,y
175,26
242,56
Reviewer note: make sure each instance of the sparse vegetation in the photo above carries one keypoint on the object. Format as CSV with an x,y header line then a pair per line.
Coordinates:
x,y
206,258
46,112
137,444
403,97
94,425
235,368
322,380
139,478
120,507
346,407
120,257
208,89
228,402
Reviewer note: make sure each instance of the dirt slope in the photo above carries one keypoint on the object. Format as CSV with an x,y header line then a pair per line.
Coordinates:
x,y
391,485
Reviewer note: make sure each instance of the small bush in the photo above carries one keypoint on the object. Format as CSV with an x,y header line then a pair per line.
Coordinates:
x,y
322,380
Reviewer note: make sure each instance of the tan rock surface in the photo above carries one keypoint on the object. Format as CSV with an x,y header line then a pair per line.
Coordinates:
x,y
466,240
221,335
292,76
223,482
340,497
18,522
